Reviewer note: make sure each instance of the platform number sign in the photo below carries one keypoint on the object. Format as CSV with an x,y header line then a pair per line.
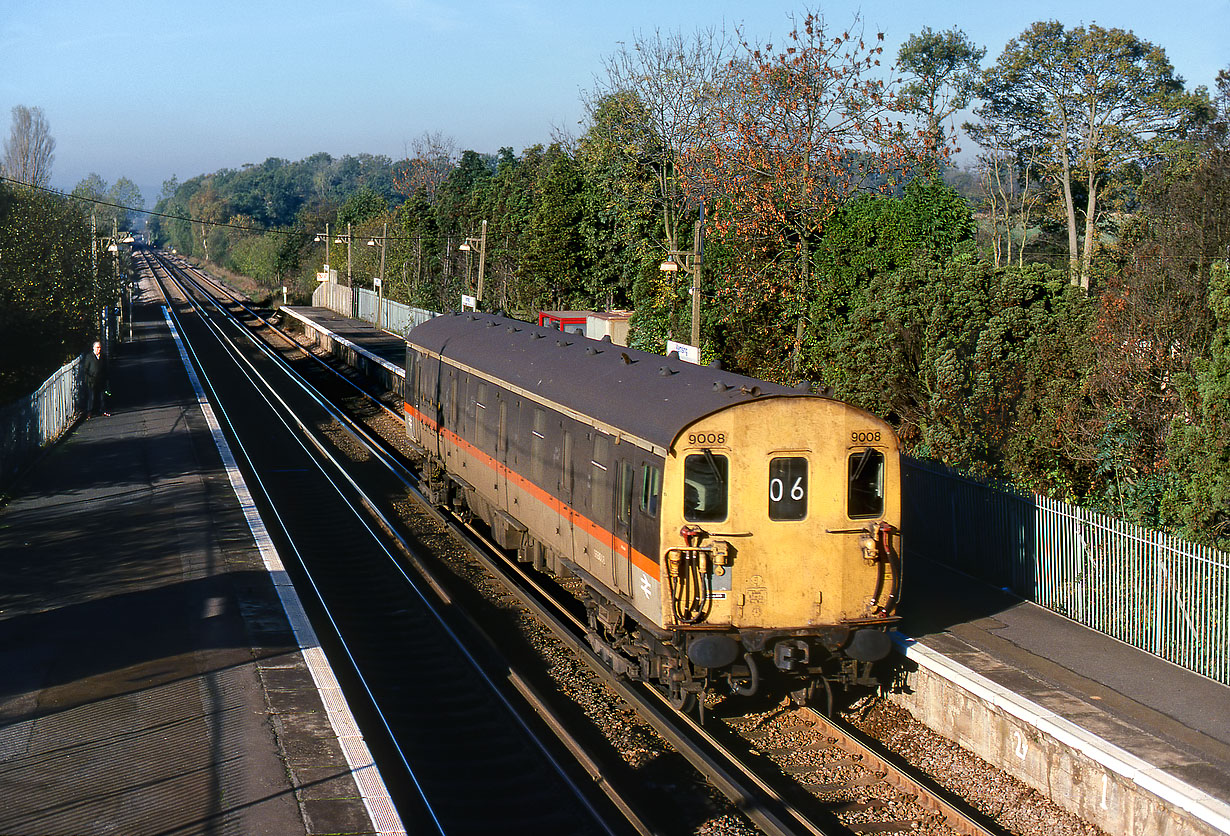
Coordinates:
x,y
788,488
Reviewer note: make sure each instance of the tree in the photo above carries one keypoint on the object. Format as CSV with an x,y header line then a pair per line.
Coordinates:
x,y
1198,497
974,366
1157,317
91,189
1012,192
553,249
627,192
429,160
126,193
30,149
111,206
362,205
870,237
1093,102
92,192
801,131
650,112
50,293
942,72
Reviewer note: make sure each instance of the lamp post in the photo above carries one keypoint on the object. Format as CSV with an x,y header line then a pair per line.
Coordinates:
x,y
481,244
325,238
111,243
380,281
349,238
340,239
691,263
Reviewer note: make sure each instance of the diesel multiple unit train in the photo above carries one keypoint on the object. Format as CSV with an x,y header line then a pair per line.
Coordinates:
x,y
728,532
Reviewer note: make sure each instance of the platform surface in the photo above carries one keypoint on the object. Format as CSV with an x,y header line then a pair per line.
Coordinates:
x,y
1166,715
384,344
149,681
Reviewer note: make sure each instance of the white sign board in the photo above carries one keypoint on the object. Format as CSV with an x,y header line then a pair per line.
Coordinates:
x,y
376,283
687,353
468,303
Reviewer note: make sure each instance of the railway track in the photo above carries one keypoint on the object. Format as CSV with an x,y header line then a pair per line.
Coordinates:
x,y
788,771
433,699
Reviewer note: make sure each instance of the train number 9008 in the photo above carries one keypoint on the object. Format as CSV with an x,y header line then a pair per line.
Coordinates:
x,y
865,437
706,438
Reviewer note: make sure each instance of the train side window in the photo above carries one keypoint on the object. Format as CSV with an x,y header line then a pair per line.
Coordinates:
x,y
705,487
866,488
599,487
788,488
602,454
651,489
624,497
538,446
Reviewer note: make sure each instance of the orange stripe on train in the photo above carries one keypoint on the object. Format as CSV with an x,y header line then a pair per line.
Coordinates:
x,y
622,547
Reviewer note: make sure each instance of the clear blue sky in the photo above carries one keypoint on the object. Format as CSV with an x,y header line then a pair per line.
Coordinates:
x,y
147,89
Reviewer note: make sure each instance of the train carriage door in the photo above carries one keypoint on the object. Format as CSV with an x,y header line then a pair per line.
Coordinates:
x,y
410,395
600,509
645,526
449,416
564,472
625,479
501,452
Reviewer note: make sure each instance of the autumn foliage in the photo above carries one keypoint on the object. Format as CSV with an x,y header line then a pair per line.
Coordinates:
x,y
802,129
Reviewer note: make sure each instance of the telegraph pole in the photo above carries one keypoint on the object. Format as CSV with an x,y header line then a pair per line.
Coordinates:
x,y
697,243
482,260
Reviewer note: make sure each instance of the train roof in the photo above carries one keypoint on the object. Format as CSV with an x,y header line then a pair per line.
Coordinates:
x,y
644,395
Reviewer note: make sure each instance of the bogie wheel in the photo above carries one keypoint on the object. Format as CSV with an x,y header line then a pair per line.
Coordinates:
x,y
818,694
680,699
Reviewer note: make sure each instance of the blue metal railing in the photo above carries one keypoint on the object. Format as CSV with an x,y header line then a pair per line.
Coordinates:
x,y
361,303
36,420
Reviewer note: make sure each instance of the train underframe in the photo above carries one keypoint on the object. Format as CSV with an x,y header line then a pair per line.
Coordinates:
x,y
811,666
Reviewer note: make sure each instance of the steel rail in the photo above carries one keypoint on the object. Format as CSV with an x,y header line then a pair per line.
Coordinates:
x,y
268,323
254,476
926,792
389,528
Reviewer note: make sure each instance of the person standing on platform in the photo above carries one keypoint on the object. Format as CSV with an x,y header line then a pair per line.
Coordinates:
x,y
95,369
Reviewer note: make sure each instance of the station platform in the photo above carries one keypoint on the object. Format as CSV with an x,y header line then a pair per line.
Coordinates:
x,y
1137,744
1147,721
151,681
378,343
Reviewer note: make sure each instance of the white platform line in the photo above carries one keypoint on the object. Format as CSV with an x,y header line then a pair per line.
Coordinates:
x,y
376,799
